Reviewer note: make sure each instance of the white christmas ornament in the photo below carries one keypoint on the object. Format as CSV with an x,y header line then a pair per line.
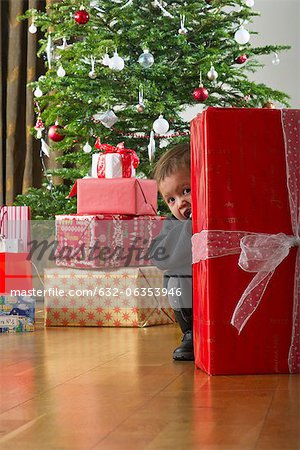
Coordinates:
x,y
128,3
87,148
38,93
106,59
92,73
61,72
249,3
49,50
212,74
151,147
64,45
275,60
45,148
32,29
108,119
146,59
116,62
161,5
161,125
242,36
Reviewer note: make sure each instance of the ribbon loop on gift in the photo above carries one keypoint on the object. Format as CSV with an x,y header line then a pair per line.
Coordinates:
x,y
129,158
263,253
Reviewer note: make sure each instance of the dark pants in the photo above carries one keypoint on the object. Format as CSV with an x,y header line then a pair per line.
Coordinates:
x,y
184,318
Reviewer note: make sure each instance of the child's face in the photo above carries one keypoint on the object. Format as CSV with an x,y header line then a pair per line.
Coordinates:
x,y
176,192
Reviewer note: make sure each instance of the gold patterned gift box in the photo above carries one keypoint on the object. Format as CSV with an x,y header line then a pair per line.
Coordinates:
x,y
125,297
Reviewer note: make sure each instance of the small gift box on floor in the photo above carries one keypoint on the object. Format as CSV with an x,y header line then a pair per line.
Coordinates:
x,y
131,297
246,166
105,240
17,307
14,229
15,273
16,314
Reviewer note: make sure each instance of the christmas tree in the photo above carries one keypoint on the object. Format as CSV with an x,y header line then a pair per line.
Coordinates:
x,y
126,70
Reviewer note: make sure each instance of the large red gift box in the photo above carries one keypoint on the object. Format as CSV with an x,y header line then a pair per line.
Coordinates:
x,y
106,241
15,273
239,185
132,196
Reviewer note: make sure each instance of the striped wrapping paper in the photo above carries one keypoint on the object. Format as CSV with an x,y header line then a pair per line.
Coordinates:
x,y
15,224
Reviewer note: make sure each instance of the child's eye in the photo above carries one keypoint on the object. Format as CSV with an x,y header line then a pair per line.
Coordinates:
x,y
186,191
170,200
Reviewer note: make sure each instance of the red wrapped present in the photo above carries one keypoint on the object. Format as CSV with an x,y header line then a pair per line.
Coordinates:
x,y
131,196
246,240
124,297
105,240
116,161
15,274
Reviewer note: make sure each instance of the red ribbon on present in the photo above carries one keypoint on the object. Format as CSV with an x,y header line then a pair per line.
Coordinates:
x,y
129,158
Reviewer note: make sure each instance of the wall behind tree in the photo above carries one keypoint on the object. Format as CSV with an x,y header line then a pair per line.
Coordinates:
x,y
279,23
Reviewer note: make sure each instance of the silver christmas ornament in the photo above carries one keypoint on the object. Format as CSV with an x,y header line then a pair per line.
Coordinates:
x,y
146,59
140,107
92,74
182,29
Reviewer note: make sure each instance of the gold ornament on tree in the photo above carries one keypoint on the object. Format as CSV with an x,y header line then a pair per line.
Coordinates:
x,y
269,105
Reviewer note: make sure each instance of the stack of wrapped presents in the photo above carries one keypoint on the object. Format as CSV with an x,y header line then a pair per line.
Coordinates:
x,y
103,274
246,225
17,306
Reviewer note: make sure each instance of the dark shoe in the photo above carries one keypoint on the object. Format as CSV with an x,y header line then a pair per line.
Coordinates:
x,y
185,352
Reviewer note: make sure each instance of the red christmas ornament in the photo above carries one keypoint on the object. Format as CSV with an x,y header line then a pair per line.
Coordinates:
x,y
241,59
82,16
200,94
53,133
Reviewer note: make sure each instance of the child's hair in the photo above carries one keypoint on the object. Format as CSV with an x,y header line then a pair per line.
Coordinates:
x,y
176,158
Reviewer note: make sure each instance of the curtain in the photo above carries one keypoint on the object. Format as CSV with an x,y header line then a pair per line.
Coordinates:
x,y
20,166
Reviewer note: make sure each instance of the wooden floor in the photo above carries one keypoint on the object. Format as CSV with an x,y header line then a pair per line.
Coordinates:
x,y
117,389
